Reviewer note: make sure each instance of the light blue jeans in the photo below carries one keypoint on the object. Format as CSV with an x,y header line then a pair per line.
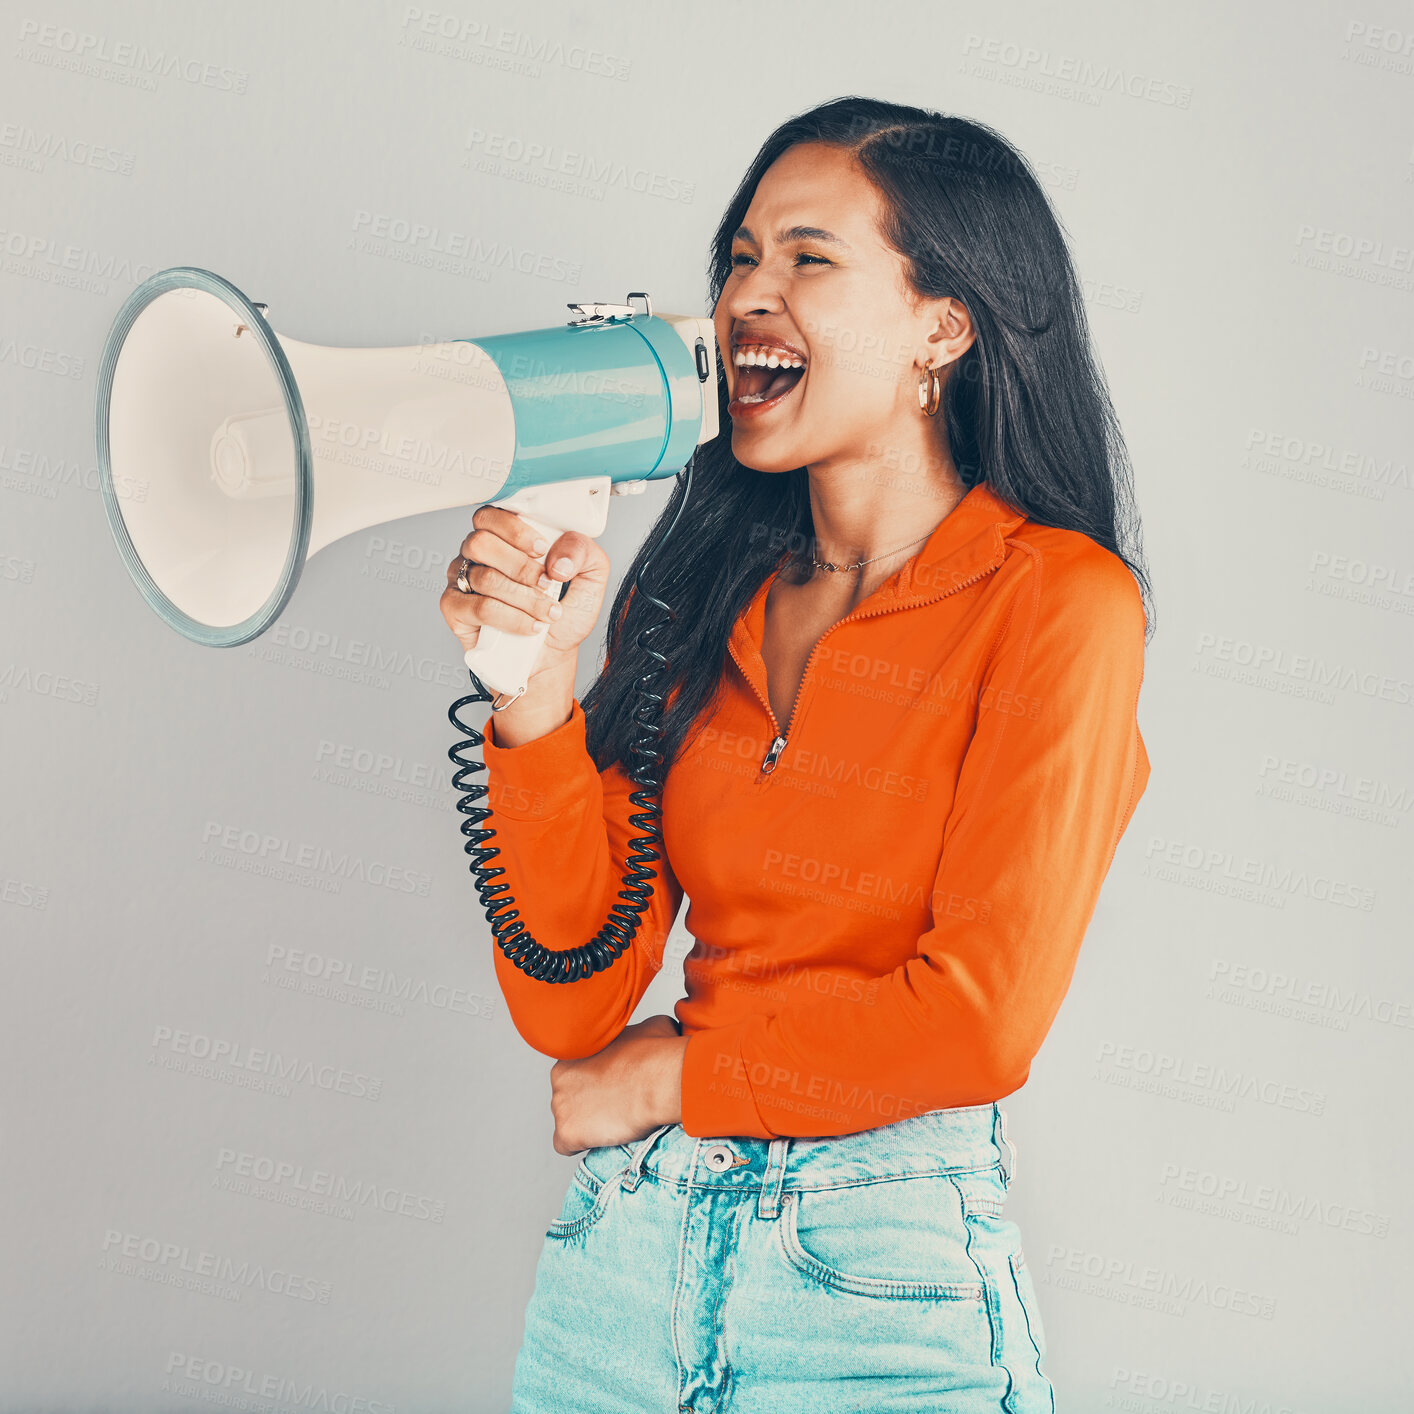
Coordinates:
x,y
849,1275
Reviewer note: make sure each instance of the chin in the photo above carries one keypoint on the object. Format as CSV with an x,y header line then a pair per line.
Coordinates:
x,y
757,454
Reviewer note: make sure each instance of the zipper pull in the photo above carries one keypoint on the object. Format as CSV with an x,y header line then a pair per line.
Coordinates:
x,y
769,764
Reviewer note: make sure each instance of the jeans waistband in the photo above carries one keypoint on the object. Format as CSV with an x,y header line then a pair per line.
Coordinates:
x,y
939,1141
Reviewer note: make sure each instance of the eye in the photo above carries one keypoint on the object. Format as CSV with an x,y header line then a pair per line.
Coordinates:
x,y
803,258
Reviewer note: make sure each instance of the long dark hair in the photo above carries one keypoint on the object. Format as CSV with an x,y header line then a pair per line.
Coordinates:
x,y
1026,407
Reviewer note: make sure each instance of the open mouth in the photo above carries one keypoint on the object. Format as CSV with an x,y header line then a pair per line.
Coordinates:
x,y
765,376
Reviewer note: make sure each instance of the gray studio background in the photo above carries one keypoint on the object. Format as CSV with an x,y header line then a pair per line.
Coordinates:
x,y
1213,1145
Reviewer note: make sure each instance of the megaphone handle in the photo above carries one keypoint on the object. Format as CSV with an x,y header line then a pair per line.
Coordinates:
x,y
502,660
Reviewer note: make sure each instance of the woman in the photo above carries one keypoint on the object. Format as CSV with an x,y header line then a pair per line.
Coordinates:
x,y
900,750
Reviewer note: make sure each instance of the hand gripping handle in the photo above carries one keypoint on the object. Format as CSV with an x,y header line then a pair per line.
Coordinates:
x,y
503,661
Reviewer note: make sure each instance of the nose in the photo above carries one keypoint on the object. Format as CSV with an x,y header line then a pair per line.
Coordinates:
x,y
755,292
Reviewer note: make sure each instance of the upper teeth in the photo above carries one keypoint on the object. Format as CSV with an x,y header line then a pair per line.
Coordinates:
x,y
761,357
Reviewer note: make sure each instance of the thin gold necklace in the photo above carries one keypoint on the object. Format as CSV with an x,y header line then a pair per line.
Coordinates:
x,y
828,565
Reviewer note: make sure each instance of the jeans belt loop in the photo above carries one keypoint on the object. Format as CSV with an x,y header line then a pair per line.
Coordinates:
x,y
1004,1146
768,1200
632,1174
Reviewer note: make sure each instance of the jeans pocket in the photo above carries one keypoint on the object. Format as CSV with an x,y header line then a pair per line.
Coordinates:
x,y
589,1191
893,1238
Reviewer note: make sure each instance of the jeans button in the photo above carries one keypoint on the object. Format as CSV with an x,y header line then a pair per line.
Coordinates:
x,y
719,1157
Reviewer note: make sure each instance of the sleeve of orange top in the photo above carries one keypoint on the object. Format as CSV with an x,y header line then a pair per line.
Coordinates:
x,y
563,832
1046,788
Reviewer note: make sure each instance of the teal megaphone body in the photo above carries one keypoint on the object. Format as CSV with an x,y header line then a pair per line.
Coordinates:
x,y
229,454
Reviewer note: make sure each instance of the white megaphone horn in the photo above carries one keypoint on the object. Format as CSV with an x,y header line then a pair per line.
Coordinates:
x,y
228,454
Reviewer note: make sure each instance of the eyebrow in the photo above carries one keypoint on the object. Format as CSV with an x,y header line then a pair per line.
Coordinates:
x,y
794,233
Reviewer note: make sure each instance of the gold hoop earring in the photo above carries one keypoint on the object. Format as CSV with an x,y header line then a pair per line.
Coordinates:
x,y
930,391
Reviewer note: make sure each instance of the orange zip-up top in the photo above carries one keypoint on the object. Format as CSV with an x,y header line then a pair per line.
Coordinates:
x,y
888,892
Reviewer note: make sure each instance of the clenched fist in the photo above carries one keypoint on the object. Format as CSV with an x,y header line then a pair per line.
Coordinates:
x,y
516,581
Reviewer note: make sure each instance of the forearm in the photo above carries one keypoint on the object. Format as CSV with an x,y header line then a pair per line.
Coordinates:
x,y
563,835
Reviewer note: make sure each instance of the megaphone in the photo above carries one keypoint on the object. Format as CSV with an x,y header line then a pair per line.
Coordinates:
x,y
255,450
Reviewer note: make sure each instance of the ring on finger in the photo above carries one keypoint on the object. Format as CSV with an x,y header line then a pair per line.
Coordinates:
x,y
462,583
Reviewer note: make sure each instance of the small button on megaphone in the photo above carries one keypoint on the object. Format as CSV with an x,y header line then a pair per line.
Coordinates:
x,y
253,451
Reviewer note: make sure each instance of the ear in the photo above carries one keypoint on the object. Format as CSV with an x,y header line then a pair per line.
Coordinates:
x,y
948,330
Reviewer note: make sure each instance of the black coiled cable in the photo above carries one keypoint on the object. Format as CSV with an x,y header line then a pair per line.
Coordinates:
x,y
619,930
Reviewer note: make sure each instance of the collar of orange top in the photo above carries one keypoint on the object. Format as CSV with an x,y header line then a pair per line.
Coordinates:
x,y
966,543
